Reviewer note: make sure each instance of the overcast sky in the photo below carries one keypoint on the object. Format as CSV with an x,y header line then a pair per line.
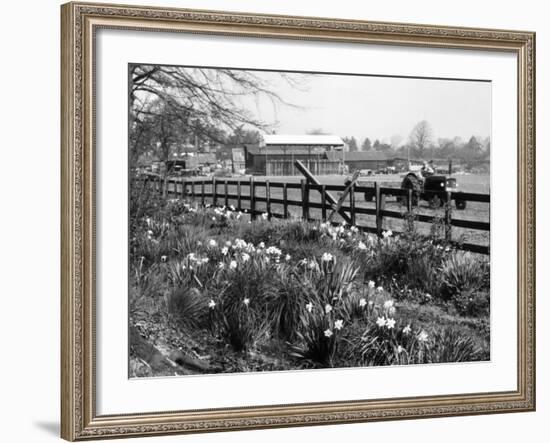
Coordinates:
x,y
376,107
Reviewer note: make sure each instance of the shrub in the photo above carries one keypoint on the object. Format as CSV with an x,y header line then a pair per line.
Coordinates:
x,y
186,306
318,337
450,345
463,276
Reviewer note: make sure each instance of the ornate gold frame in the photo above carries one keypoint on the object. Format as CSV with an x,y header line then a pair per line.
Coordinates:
x,y
78,417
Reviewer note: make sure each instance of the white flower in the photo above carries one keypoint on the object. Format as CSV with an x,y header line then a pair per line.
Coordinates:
x,y
371,284
309,307
212,243
328,308
338,324
272,250
246,301
261,245
311,264
212,304
327,257
221,265
287,257
407,330
213,218
390,323
362,303
400,349
388,304
225,250
381,321
149,232
245,257
228,243
380,289
265,216
328,333
233,264
387,233
423,337
163,258
428,296
361,246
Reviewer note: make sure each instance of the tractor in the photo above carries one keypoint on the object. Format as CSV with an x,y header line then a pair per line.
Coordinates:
x,y
431,188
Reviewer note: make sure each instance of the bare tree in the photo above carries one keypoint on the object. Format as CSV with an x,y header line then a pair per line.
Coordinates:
x,y
421,136
201,101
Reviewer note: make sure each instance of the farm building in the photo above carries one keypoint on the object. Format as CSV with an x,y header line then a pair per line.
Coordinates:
x,y
276,154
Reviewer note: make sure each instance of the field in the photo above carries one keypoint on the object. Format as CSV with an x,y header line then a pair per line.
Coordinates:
x,y
214,292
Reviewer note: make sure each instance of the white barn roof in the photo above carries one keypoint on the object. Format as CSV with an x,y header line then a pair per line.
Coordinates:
x,y
279,139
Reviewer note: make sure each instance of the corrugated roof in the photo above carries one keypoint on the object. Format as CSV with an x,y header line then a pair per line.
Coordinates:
x,y
280,139
276,150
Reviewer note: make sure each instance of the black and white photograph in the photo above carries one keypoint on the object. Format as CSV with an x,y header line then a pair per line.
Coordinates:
x,y
286,220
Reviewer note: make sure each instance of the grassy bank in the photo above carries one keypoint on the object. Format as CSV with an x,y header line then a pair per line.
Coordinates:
x,y
240,295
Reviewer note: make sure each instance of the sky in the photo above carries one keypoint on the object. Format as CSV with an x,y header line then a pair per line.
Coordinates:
x,y
375,107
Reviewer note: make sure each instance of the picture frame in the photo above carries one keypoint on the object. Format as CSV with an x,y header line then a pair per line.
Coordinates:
x,y
80,243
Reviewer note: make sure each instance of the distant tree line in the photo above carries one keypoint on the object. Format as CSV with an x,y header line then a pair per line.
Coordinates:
x,y
421,144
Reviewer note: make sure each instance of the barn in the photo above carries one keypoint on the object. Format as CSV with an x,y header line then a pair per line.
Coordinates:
x,y
276,154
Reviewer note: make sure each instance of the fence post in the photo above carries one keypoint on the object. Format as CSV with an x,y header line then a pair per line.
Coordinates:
x,y
267,200
352,204
285,201
380,203
239,196
252,199
323,203
448,216
305,199
226,193
183,188
193,189
203,191
214,192
410,220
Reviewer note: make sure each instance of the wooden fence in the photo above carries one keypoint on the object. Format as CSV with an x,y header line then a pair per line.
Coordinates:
x,y
264,195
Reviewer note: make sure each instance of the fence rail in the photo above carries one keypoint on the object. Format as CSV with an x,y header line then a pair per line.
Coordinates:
x,y
299,195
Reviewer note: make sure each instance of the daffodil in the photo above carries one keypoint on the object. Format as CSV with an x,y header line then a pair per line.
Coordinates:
x,y
212,243
381,322
423,337
338,324
407,330
328,333
328,308
309,307
225,250
390,323
212,304
246,301
245,257
233,264
362,303
327,257
371,284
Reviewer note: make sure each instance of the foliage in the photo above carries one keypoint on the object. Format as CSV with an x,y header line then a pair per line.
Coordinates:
x,y
320,295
